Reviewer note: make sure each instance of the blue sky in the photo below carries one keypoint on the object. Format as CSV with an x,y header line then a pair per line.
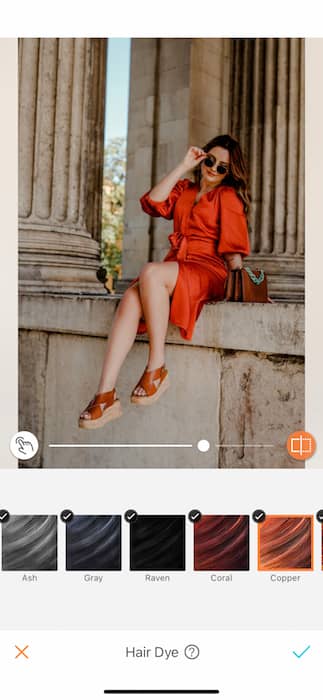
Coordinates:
x,y
116,116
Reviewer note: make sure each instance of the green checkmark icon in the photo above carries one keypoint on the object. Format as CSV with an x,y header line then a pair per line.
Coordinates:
x,y
299,656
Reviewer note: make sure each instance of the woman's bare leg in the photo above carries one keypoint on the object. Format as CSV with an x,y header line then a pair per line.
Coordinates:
x,y
120,341
149,299
156,285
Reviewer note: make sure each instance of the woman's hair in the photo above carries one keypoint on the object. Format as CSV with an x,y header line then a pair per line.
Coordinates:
x,y
237,176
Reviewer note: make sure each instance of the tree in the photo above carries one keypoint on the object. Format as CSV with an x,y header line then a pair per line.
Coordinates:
x,y
113,206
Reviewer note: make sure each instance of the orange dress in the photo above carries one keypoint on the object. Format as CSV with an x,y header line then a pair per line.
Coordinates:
x,y
202,234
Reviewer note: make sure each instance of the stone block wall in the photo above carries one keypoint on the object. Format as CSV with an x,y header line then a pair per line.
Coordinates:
x,y
247,395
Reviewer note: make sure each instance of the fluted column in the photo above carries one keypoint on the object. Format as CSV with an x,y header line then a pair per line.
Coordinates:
x,y
268,118
61,120
143,106
179,95
188,90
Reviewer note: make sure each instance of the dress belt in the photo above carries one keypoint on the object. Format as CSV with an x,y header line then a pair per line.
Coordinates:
x,y
179,244
180,241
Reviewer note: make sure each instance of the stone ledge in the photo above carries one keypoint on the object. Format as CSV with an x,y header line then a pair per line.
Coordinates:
x,y
268,328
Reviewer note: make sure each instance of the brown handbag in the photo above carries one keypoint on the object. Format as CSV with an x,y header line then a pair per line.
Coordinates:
x,y
246,285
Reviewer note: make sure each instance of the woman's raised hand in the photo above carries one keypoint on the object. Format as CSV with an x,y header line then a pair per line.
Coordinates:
x,y
193,157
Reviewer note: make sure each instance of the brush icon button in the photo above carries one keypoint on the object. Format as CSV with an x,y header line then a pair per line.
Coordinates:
x,y
24,445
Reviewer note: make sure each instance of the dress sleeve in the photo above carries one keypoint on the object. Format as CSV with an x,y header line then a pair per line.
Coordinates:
x,y
234,237
165,208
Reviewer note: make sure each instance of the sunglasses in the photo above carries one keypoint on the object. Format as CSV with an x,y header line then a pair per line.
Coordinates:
x,y
210,161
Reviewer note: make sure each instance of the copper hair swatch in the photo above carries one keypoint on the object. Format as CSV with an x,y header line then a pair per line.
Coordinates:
x,y
221,543
157,543
285,543
29,543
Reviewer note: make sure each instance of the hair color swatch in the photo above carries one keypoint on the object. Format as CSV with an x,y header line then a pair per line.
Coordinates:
x,y
221,543
157,543
29,543
285,543
93,543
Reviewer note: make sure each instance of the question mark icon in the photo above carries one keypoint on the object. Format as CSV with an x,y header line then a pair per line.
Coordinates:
x,y
192,651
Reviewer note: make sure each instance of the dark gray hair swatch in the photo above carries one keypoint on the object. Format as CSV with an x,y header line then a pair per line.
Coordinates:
x,y
93,543
29,543
157,543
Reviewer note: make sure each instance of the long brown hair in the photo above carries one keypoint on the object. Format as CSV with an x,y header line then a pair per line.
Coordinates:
x,y
237,176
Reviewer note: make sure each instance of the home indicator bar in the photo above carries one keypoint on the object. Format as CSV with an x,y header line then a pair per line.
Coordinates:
x,y
162,692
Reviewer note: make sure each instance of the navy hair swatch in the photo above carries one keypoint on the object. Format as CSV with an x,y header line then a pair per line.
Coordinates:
x,y
157,543
93,543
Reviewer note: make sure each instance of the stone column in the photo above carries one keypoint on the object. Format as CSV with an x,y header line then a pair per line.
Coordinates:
x,y
179,95
140,148
209,89
267,116
61,121
185,91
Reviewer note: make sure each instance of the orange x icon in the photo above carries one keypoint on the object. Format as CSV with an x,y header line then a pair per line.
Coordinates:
x,y
21,652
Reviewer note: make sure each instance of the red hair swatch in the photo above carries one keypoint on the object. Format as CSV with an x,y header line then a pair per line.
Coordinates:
x,y
285,543
221,543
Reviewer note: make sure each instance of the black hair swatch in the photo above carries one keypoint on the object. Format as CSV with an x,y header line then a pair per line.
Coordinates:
x,y
157,543
93,543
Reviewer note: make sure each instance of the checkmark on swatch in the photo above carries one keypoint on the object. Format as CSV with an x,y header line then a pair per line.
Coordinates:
x,y
194,515
130,515
4,516
67,515
259,515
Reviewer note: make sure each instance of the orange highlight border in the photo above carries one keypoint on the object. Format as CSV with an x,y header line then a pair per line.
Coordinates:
x,y
260,525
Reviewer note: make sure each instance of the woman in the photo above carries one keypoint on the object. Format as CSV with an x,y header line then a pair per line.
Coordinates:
x,y
210,236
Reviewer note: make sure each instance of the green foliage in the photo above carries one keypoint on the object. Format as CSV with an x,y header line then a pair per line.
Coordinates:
x,y
113,206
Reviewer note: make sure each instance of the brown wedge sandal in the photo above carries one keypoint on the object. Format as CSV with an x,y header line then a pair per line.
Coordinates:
x,y
154,382
102,409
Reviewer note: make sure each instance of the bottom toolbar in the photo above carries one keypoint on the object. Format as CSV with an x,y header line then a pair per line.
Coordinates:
x,y
91,665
